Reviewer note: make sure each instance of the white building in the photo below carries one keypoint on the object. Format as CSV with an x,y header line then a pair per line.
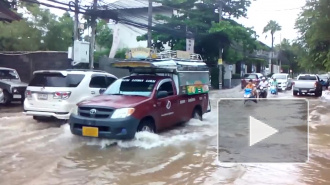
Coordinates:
x,y
125,36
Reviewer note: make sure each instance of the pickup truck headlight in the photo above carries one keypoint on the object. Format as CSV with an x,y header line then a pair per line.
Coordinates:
x,y
14,90
122,113
74,110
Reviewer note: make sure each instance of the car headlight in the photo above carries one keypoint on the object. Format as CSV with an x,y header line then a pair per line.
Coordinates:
x,y
14,90
122,113
74,110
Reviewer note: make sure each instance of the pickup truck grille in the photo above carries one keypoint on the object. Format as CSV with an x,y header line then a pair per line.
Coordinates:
x,y
99,113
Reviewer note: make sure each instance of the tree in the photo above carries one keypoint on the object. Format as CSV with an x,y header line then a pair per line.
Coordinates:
x,y
272,27
42,31
313,25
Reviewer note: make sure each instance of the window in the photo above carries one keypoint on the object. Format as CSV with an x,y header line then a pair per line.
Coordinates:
x,y
250,76
56,80
280,76
307,77
98,82
110,80
188,78
133,86
8,74
167,86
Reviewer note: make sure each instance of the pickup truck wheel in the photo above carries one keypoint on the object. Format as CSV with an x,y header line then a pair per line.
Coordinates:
x,y
197,114
295,93
146,125
6,98
318,94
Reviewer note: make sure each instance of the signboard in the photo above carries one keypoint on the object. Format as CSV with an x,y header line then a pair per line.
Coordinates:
x,y
190,44
182,54
230,67
197,89
220,61
131,64
140,53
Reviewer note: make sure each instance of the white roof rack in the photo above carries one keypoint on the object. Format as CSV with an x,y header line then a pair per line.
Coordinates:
x,y
179,55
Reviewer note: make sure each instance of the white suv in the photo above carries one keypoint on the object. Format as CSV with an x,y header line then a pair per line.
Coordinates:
x,y
54,93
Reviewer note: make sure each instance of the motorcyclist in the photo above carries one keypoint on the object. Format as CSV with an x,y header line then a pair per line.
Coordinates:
x,y
263,83
274,83
250,85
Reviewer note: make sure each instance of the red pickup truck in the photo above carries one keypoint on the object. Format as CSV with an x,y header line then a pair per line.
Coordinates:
x,y
136,103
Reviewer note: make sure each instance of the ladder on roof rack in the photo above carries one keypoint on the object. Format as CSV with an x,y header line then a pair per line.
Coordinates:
x,y
173,54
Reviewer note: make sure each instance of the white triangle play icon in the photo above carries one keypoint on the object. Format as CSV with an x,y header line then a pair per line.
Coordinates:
x,y
259,131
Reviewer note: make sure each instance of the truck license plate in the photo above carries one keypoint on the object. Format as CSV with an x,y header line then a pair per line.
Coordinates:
x,y
17,96
42,96
90,131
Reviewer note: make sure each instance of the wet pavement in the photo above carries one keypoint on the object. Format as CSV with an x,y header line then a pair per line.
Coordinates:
x,y
36,153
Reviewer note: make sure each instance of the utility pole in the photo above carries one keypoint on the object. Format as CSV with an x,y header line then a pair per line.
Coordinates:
x,y
220,48
76,21
149,23
92,41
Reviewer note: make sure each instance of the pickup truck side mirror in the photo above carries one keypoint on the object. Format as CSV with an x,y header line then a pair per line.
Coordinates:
x,y
162,94
102,90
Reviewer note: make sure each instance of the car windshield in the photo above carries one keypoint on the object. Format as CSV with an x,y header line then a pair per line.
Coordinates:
x,y
131,86
323,77
56,80
250,76
307,77
8,74
279,76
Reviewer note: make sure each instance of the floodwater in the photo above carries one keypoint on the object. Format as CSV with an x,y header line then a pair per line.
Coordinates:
x,y
45,153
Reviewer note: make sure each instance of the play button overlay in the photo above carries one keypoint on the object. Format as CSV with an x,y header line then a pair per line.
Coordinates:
x,y
270,131
259,131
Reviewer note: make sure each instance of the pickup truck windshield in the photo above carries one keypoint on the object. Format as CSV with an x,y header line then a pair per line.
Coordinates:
x,y
131,86
280,76
8,74
307,77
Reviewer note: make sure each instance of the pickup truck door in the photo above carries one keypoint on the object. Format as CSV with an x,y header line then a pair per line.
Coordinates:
x,y
167,107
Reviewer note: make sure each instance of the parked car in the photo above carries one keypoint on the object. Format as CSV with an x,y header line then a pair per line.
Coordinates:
x,y
306,84
284,81
325,80
254,76
12,86
1,95
54,93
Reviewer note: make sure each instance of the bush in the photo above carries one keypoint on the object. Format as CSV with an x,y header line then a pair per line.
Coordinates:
x,y
236,76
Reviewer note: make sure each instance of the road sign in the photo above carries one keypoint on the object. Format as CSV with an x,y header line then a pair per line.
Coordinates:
x,y
220,61
259,131
230,67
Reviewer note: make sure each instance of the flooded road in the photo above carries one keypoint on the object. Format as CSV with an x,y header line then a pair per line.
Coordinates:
x,y
45,153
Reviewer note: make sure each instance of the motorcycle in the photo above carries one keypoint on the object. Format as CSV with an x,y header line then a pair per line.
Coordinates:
x,y
273,89
262,92
248,96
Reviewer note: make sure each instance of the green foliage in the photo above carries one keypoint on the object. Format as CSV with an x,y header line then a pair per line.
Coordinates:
x,y
103,35
314,27
289,54
236,76
121,53
43,31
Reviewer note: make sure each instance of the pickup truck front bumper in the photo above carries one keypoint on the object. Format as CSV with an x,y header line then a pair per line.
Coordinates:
x,y
124,128
304,90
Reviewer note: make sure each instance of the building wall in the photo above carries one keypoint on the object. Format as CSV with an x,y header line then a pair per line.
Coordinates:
x,y
27,63
128,34
104,65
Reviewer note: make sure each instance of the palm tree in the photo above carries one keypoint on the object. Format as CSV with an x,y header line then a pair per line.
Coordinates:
x,y
272,27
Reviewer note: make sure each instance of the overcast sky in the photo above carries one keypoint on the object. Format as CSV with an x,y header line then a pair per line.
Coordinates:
x,y
285,12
